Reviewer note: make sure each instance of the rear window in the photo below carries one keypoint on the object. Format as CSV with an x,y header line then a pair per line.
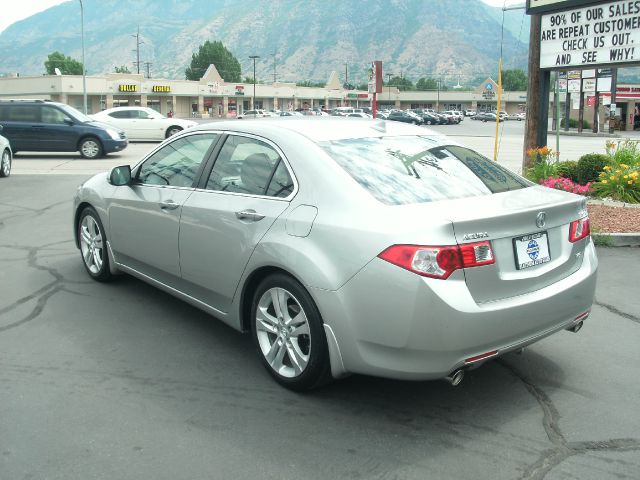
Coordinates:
x,y
415,169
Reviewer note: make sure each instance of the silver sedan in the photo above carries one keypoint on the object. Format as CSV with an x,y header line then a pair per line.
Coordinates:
x,y
345,246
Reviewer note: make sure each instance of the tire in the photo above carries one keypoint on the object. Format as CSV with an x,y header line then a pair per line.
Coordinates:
x,y
428,122
90,148
5,164
93,245
172,131
290,341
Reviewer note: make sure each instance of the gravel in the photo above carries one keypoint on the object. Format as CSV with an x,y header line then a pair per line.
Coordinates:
x,y
622,218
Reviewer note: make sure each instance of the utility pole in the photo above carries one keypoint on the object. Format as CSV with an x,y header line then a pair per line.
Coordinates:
x,y
346,74
536,123
275,75
389,75
84,68
138,43
147,65
614,86
253,100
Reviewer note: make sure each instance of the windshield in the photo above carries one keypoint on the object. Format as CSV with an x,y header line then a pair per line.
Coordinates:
x,y
77,114
415,169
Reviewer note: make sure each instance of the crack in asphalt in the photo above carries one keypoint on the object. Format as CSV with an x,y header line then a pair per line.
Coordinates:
x,y
615,311
43,294
562,449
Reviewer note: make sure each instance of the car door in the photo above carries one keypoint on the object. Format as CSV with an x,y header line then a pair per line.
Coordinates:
x,y
124,120
144,218
21,125
249,186
58,132
147,126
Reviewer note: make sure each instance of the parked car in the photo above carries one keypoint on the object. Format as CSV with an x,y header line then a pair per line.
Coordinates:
x,y
253,114
516,116
142,123
287,113
44,126
455,261
451,119
485,117
358,115
427,118
6,156
406,117
457,118
469,113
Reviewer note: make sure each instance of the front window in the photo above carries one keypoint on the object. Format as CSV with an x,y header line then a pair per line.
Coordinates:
x,y
77,114
415,169
177,164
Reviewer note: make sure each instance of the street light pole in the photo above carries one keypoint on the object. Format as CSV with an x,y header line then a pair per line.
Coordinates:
x,y
84,70
253,101
389,75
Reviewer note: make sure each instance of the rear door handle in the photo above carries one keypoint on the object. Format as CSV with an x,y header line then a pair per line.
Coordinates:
x,y
169,205
249,214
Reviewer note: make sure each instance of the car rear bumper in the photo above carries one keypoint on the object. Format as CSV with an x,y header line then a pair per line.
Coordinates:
x,y
392,323
111,146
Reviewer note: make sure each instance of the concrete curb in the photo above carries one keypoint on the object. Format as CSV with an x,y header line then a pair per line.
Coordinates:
x,y
617,239
585,134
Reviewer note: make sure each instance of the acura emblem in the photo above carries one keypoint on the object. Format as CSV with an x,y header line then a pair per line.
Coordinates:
x,y
540,219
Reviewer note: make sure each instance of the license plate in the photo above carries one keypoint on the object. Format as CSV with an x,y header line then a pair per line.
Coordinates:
x,y
531,250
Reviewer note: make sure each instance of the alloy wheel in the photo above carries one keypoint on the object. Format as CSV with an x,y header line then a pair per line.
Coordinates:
x,y
91,244
5,165
283,332
90,148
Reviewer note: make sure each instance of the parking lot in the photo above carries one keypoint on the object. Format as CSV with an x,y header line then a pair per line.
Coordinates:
x,y
123,381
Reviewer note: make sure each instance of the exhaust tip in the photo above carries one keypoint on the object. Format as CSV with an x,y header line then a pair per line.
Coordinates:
x,y
455,378
575,328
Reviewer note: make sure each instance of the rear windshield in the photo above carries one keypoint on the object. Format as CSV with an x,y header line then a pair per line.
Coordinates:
x,y
415,169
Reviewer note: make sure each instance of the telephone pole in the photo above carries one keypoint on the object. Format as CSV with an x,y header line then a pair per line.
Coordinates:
x,y
275,75
138,43
147,65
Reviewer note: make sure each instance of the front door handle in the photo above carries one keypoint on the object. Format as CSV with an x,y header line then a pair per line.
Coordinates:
x,y
249,215
169,205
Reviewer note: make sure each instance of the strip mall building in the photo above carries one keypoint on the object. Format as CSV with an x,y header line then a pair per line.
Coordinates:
x,y
212,96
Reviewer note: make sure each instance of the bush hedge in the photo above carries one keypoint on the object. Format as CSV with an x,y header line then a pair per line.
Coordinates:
x,y
568,169
573,123
589,167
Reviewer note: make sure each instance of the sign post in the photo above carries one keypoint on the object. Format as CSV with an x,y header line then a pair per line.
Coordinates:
x,y
375,84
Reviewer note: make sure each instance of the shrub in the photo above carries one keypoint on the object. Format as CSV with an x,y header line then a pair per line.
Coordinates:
x,y
573,123
542,159
568,169
590,166
560,183
624,152
620,182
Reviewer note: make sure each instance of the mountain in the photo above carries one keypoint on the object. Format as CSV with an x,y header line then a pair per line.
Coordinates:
x,y
311,38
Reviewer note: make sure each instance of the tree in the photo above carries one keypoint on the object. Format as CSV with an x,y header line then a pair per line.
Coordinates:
x,y
402,83
310,83
66,65
122,69
214,53
514,80
426,84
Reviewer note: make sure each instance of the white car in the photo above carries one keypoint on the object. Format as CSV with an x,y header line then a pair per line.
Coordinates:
x,y
254,114
5,156
142,123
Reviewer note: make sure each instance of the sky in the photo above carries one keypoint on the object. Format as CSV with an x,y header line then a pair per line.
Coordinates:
x,y
12,11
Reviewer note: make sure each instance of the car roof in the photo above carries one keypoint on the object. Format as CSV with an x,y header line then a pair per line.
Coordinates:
x,y
320,129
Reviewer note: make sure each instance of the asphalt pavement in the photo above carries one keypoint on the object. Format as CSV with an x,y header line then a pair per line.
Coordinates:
x,y
122,381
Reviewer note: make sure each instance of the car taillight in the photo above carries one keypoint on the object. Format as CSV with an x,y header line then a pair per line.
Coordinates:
x,y
579,229
440,261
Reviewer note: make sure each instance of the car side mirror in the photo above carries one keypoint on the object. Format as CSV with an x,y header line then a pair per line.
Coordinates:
x,y
120,176
68,121
1,128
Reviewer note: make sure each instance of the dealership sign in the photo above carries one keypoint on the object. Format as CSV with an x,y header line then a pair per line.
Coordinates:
x,y
598,34
543,6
